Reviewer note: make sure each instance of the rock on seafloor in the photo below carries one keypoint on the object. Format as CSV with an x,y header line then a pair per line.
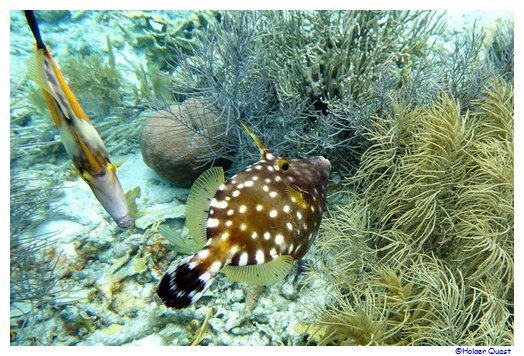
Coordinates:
x,y
173,140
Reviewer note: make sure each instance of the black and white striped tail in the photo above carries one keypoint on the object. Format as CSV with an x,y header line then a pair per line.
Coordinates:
x,y
181,287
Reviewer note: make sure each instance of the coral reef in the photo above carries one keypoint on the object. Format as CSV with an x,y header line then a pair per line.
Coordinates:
x,y
417,247
422,252
315,76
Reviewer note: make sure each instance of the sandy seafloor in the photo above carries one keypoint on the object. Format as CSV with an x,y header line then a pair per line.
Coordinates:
x,y
105,292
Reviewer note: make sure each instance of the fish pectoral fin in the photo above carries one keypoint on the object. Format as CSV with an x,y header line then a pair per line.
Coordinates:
x,y
198,201
262,274
298,196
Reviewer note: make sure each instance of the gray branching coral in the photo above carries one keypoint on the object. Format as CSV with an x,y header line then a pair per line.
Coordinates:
x,y
428,234
307,80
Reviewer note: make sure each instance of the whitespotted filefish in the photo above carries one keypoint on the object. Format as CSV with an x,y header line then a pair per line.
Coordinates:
x,y
81,141
252,227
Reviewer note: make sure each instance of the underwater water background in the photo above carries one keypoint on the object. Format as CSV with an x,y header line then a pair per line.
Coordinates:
x,y
376,92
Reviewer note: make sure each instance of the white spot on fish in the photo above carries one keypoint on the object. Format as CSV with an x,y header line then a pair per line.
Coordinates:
x,y
254,235
236,193
215,267
229,223
270,168
273,253
230,212
203,254
279,239
289,226
219,204
265,188
242,261
299,215
278,179
242,209
234,249
273,213
255,178
224,236
273,194
205,277
267,235
248,183
212,222
286,209
260,257
258,167
243,227
259,207
267,180
222,186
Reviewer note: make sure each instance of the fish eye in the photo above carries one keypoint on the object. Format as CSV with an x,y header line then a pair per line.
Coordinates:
x,y
283,165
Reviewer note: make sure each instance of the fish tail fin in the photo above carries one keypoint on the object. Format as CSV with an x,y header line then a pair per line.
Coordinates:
x,y
184,285
33,25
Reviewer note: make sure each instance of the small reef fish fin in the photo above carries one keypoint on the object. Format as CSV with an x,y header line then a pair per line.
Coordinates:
x,y
184,285
298,196
131,196
198,202
260,274
178,243
35,69
263,149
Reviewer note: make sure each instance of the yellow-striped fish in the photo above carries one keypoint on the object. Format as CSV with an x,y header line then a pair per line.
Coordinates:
x,y
80,139
252,226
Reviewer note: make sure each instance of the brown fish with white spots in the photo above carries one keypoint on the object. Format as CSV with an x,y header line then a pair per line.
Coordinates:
x,y
252,226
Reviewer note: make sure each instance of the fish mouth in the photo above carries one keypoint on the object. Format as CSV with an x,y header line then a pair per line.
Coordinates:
x,y
124,222
322,162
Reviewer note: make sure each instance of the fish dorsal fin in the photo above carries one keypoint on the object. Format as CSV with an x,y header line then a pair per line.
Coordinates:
x,y
263,149
262,274
35,69
199,200
298,197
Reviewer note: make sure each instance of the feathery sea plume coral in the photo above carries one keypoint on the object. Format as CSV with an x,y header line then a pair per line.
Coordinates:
x,y
431,218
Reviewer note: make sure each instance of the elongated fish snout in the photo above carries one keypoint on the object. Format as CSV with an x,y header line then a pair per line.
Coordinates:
x,y
124,222
109,193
